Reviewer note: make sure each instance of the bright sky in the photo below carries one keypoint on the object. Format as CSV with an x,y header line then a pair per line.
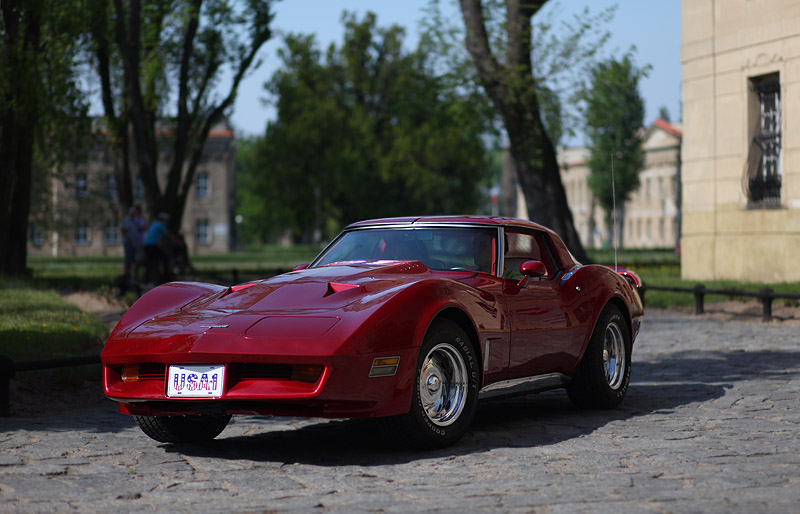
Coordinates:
x,y
653,26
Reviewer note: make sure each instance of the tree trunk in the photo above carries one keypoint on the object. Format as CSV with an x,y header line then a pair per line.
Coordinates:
x,y
513,90
15,170
592,221
18,126
539,177
128,30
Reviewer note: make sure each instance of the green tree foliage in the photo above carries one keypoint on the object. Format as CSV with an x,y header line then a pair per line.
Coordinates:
x,y
614,120
663,113
41,109
366,131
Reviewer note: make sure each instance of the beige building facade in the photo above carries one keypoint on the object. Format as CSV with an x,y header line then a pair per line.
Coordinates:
x,y
79,213
741,151
652,211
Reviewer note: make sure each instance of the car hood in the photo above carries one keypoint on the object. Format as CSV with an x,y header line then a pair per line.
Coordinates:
x,y
314,299
313,290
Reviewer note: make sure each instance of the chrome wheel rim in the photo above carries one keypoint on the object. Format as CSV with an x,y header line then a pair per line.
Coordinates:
x,y
443,384
614,355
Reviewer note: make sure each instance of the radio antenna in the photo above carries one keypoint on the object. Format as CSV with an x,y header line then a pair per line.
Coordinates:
x,y
614,213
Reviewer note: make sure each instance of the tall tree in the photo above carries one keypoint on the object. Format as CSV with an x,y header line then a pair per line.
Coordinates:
x,y
41,109
512,86
172,51
367,131
614,120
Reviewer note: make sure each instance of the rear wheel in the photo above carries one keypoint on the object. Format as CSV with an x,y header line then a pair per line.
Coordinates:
x,y
605,371
183,429
445,390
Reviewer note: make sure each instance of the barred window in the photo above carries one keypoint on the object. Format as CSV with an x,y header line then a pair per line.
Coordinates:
x,y
763,179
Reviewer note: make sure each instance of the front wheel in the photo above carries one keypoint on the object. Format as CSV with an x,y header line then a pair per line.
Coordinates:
x,y
183,429
605,370
445,390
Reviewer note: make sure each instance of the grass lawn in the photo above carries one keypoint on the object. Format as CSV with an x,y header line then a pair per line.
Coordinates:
x,y
98,272
36,324
656,267
663,268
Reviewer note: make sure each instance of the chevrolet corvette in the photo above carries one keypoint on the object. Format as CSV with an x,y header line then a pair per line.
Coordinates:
x,y
412,320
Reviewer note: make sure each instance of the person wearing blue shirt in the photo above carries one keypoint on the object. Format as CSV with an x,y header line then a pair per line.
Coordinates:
x,y
157,261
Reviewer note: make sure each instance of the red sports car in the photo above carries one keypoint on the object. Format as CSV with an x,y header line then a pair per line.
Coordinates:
x,y
409,319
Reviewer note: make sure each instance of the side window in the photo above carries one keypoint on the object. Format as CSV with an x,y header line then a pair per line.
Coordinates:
x,y
521,247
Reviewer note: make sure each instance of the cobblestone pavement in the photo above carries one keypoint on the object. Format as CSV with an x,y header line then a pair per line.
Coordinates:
x,y
711,424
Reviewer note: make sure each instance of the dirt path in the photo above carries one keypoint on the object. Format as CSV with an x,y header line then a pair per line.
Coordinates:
x,y
107,309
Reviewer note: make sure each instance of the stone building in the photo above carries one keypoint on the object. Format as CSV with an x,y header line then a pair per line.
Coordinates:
x,y
652,213
741,153
78,213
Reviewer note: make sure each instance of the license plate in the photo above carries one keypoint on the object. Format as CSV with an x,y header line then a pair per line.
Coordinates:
x,y
194,381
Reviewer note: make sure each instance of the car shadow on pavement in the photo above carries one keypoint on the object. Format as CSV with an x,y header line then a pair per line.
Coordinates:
x,y
527,421
663,383
659,385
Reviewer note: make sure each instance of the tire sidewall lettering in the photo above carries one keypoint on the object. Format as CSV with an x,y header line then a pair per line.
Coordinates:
x,y
467,353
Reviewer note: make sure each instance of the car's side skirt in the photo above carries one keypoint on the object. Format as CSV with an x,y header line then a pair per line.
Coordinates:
x,y
524,385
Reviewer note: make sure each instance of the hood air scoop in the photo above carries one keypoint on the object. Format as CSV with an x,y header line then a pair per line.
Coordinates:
x,y
338,287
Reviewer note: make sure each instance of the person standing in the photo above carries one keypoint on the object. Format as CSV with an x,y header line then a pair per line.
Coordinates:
x,y
133,227
157,261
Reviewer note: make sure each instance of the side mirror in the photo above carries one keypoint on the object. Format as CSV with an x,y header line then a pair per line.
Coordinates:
x,y
300,266
531,269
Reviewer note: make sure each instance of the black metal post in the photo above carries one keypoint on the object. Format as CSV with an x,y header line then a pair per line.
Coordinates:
x,y
699,295
766,302
6,374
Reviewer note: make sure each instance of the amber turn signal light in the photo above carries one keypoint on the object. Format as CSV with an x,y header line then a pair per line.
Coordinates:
x,y
384,367
130,373
306,373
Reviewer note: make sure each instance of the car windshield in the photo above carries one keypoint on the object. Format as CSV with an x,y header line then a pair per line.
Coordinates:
x,y
439,248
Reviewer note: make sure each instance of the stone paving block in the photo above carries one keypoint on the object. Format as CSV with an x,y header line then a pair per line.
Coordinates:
x,y
710,424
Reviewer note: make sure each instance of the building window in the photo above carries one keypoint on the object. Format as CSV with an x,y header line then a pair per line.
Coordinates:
x,y
764,160
202,185
111,186
111,233
138,189
81,185
202,235
82,233
36,235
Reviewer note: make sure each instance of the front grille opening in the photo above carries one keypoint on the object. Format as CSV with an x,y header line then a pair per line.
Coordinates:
x,y
258,371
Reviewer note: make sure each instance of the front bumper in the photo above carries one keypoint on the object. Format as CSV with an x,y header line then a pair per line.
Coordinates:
x,y
343,388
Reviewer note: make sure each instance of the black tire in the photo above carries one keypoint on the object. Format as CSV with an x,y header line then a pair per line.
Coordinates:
x,y
183,429
445,391
605,370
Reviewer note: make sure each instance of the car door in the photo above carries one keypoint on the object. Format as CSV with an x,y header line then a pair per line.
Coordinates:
x,y
543,339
